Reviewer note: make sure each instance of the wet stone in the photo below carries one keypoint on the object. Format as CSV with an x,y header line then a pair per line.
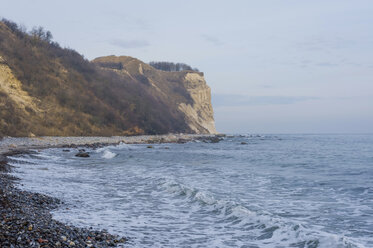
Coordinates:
x,y
82,154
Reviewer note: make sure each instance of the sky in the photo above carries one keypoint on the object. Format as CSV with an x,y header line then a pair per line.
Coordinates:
x,y
273,66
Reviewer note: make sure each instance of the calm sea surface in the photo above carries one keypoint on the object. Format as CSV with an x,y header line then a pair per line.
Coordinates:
x,y
274,191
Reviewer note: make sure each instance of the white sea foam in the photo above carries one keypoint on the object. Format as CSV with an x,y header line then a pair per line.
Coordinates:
x,y
108,154
273,230
120,146
14,160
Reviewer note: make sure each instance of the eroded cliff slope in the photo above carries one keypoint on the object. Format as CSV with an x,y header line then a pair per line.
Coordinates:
x,y
49,90
185,89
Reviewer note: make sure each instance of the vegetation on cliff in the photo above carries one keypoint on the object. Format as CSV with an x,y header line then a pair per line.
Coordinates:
x,y
62,93
169,66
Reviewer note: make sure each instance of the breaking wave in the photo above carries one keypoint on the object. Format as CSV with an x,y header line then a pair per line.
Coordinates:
x,y
265,229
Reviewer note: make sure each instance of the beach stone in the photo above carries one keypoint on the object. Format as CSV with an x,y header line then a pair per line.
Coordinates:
x,y
82,154
181,141
40,240
215,139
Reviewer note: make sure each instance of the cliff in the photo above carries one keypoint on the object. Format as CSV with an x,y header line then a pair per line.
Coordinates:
x,y
199,114
49,90
185,89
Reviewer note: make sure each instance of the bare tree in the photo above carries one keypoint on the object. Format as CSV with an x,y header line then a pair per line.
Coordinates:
x,y
41,34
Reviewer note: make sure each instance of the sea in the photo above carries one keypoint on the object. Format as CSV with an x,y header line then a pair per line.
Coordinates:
x,y
245,191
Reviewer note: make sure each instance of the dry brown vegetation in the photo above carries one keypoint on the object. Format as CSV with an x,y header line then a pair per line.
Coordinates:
x,y
110,96
170,66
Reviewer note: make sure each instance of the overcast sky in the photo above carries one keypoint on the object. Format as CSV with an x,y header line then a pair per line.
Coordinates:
x,y
273,66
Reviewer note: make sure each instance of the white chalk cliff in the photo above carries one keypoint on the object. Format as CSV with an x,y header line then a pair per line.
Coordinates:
x,y
199,115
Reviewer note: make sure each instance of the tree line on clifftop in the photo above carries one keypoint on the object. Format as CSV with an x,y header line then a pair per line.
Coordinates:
x,y
169,66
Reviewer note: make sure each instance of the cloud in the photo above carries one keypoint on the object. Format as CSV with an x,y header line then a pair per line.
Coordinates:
x,y
127,20
130,43
265,86
228,100
213,40
326,64
308,63
314,43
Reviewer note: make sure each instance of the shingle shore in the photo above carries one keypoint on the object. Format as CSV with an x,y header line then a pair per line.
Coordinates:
x,y
10,143
25,219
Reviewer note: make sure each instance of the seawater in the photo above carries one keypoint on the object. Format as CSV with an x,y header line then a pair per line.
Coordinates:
x,y
274,191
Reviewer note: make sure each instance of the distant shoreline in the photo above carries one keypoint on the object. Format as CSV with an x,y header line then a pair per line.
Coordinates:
x,y
9,144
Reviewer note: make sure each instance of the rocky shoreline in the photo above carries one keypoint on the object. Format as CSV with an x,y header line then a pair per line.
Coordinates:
x,y
26,221
10,143
25,218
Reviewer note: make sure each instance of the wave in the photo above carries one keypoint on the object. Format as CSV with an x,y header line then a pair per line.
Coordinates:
x,y
33,158
120,146
244,223
108,154
107,150
12,160
267,230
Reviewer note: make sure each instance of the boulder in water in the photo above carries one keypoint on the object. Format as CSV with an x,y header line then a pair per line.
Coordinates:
x,y
82,154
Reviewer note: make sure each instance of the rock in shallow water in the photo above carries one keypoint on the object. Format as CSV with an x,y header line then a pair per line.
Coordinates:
x,y
82,154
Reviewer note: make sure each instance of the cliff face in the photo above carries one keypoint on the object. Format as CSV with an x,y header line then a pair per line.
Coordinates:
x,y
49,90
10,86
185,89
16,105
199,115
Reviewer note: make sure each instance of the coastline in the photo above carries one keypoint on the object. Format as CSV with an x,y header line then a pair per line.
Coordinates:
x,y
25,218
8,144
